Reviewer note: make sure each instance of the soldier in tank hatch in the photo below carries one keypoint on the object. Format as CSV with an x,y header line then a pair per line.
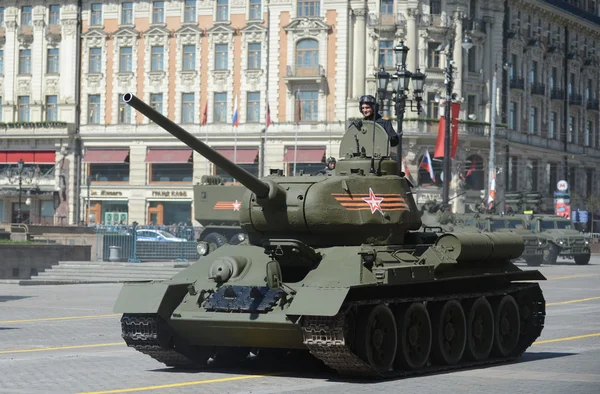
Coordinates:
x,y
367,107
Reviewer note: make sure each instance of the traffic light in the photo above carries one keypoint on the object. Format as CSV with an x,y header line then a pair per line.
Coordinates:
x,y
513,201
533,201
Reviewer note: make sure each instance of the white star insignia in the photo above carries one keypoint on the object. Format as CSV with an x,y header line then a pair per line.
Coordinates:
x,y
237,205
373,201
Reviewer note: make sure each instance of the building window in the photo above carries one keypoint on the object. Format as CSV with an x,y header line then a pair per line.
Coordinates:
x,y
127,13
433,55
533,74
513,168
552,126
255,9
251,168
156,101
26,16
588,130
94,109
435,7
433,107
113,172
571,84
25,61
189,58
96,16
95,60
222,10
589,89
552,169
157,58
589,182
387,7
309,106
24,113
472,105
307,57
532,174
52,66
172,172
220,111
570,129
51,108
158,12
187,108
1,61
221,52
124,110
309,8
514,63
125,64
533,120
472,60
512,116
253,107
189,11
254,54
1,16
553,78
54,15
386,54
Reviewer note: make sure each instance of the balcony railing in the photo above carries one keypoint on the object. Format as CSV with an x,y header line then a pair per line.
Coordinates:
x,y
474,25
593,104
25,34
310,72
428,20
517,83
557,94
386,20
575,99
53,33
538,88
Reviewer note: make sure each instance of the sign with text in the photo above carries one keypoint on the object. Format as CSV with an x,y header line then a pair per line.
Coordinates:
x,y
171,193
106,193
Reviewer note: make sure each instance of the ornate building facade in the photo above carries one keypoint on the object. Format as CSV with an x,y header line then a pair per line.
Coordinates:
x,y
306,62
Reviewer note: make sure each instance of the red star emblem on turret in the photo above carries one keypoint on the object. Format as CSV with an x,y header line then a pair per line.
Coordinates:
x,y
237,205
373,201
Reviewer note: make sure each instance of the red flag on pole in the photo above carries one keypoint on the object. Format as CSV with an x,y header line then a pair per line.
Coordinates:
x,y
267,116
205,114
439,143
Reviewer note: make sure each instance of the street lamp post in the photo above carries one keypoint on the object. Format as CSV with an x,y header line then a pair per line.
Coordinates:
x,y
467,43
20,175
400,87
89,183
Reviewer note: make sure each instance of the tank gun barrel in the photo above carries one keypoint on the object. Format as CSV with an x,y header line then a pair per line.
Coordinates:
x,y
260,188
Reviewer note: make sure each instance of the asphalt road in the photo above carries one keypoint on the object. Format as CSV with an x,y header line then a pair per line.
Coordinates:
x,y
65,339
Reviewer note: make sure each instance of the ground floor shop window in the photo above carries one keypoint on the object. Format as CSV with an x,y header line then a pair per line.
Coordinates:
x,y
47,212
170,213
1,211
109,213
25,212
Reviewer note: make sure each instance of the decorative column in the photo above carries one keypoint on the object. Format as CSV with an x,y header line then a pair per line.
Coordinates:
x,y
458,54
358,61
412,39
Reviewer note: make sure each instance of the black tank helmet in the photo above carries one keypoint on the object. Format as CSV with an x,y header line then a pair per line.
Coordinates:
x,y
367,99
331,160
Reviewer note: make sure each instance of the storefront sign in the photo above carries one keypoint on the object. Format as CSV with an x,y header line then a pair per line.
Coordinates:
x,y
106,193
169,193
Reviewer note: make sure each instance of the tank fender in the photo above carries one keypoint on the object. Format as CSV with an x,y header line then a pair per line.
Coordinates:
x,y
150,297
317,301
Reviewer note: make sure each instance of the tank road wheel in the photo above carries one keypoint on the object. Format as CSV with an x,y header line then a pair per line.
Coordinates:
x,y
582,259
507,326
414,336
376,338
238,239
214,241
480,330
449,333
550,254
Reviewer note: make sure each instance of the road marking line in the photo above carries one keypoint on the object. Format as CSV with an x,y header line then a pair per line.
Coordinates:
x,y
59,318
183,384
567,338
572,276
573,301
45,349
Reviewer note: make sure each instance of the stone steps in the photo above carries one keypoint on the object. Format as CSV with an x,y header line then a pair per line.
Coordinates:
x,y
105,272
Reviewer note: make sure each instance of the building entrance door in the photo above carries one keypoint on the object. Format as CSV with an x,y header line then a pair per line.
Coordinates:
x,y
155,213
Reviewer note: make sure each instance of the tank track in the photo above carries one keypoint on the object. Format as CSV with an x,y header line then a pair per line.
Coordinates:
x,y
148,334
324,336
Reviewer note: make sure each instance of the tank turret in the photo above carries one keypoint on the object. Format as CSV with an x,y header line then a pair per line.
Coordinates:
x,y
368,200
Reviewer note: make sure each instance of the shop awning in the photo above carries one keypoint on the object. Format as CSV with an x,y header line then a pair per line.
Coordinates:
x,y
45,157
106,155
305,155
32,156
242,156
169,156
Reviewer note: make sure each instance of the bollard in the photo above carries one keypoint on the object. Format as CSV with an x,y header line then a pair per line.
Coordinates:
x,y
115,253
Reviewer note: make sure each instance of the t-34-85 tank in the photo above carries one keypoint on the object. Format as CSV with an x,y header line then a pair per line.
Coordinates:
x,y
335,265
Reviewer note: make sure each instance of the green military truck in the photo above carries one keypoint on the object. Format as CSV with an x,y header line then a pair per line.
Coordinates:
x,y
561,238
216,207
534,244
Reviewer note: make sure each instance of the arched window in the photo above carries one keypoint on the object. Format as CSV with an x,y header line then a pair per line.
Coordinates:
x,y
424,178
307,57
474,174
